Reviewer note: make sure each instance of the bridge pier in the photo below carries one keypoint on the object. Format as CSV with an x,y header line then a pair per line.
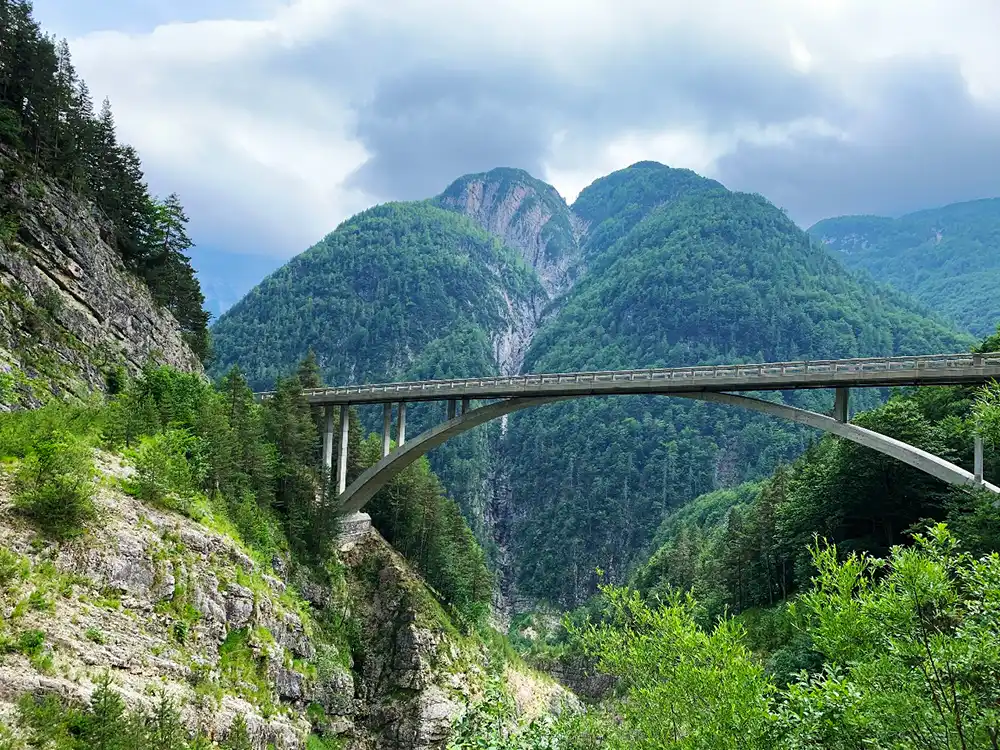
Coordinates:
x,y
386,428
840,411
345,426
465,404
328,443
451,408
978,459
401,436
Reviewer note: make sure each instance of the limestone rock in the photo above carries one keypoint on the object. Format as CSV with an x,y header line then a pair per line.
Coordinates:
x,y
68,305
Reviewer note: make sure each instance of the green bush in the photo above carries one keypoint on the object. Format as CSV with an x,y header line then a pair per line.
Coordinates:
x,y
54,485
166,469
21,431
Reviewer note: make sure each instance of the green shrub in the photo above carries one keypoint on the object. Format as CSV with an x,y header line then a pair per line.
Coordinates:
x,y
54,485
115,380
166,469
21,431
12,567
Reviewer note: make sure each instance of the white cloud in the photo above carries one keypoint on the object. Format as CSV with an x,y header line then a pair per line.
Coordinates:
x,y
256,121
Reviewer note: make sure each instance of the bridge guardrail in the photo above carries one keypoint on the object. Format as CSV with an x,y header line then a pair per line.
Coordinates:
x,y
692,373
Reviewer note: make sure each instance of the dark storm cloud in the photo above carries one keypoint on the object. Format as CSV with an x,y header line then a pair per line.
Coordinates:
x,y
919,141
428,124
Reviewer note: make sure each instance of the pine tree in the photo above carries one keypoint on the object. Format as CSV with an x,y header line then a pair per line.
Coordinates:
x,y
165,729
102,729
239,736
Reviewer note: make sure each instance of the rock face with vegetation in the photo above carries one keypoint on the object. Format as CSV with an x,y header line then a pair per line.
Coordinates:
x,y
71,313
945,257
528,215
94,271
172,607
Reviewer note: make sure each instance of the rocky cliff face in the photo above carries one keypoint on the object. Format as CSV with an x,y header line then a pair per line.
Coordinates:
x,y
529,215
69,309
163,602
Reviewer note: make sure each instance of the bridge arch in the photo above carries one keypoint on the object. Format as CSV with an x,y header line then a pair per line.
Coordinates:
x,y
364,488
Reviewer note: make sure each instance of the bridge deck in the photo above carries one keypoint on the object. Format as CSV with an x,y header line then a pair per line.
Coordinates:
x,y
945,369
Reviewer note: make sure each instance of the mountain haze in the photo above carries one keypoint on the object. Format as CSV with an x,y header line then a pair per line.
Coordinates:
x,y
948,258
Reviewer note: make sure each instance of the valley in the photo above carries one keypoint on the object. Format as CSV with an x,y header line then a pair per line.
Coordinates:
x,y
751,505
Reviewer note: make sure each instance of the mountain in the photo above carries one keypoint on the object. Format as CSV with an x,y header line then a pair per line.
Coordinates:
x,y
948,258
680,271
651,266
528,215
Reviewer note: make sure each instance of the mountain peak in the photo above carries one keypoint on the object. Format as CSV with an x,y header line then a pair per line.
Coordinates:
x,y
528,214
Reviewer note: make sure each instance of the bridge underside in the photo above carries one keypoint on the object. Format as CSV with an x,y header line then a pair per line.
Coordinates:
x,y
354,498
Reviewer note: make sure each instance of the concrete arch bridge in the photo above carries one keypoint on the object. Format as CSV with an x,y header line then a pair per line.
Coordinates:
x,y
718,384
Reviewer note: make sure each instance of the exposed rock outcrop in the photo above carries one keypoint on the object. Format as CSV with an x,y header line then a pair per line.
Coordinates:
x,y
165,603
69,309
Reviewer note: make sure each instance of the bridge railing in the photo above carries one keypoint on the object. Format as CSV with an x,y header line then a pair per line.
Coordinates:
x,y
672,374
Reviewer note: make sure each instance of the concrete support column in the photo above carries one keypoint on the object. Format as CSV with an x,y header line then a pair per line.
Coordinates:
x,y
386,428
451,408
465,404
977,470
345,424
328,442
401,435
840,412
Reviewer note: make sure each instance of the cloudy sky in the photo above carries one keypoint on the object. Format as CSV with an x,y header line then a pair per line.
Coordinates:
x,y
277,119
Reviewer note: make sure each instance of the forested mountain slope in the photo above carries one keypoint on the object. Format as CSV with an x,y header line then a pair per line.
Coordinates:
x,y
949,258
668,268
703,275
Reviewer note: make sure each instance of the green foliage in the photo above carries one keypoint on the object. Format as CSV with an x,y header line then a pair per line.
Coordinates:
x,y
167,469
907,644
54,485
907,650
493,724
681,272
238,737
427,527
105,723
21,431
47,116
945,257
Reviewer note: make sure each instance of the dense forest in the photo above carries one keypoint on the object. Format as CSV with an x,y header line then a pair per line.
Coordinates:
x,y
49,127
846,601
945,257
706,277
674,270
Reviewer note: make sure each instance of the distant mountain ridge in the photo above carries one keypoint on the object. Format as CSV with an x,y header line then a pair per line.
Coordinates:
x,y
948,258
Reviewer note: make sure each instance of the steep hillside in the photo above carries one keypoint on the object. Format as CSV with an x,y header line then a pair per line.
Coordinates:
x,y
703,276
71,312
949,258
94,272
172,607
374,294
